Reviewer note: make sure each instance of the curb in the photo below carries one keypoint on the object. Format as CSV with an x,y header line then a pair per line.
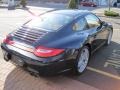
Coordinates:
x,y
3,6
102,15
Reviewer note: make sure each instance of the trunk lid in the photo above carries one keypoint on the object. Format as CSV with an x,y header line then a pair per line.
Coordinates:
x,y
28,35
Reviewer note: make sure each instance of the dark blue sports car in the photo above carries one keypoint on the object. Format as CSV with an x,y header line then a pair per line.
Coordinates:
x,y
57,41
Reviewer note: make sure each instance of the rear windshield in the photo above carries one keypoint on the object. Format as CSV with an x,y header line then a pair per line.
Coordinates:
x,y
49,21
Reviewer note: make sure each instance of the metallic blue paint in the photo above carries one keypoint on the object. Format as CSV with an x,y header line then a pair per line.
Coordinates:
x,y
65,38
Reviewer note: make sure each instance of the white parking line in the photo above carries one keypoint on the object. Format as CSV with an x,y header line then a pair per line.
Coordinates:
x,y
104,73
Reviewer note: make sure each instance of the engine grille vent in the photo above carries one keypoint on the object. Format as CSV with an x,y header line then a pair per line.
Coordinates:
x,y
29,35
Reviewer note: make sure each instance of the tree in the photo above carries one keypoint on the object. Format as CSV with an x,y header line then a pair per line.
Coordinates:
x,y
23,3
72,4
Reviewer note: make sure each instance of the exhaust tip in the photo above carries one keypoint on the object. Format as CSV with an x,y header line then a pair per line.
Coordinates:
x,y
7,57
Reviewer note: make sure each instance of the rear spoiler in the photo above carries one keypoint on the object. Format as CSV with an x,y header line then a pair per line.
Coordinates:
x,y
42,14
48,11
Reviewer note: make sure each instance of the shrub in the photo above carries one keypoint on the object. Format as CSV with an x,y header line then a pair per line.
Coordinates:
x,y
111,13
72,4
23,3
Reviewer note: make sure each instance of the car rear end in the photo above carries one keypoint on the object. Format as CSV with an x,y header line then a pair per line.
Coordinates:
x,y
40,45
19,48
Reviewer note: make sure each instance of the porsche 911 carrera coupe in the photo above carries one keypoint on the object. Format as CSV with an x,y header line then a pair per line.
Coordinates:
x,y
57,41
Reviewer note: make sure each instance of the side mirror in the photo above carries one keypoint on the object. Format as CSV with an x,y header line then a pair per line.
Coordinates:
x,y
104,23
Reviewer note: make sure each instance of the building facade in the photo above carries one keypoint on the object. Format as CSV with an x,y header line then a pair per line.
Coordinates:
x,y
98,2
104,2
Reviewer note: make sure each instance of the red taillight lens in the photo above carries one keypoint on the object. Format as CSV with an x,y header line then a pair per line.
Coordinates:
x,y
8,40
47,52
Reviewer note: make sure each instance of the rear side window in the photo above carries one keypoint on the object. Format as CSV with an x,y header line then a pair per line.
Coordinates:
x,y
80,25
92,21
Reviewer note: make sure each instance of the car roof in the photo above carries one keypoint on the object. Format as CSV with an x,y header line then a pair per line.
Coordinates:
x,y
72,12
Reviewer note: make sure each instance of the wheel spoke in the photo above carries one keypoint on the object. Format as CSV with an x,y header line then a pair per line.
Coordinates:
x,y
109,37
83,60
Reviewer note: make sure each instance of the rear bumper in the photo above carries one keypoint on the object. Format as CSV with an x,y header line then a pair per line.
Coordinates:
x,y
42,65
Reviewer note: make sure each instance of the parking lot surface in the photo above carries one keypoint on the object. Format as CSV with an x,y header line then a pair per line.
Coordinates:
x,y
103,71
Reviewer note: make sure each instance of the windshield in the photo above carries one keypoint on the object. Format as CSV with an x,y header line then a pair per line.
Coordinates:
x,y
49,21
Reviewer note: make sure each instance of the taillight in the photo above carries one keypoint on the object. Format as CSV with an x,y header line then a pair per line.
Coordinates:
x,y
47,52
8,40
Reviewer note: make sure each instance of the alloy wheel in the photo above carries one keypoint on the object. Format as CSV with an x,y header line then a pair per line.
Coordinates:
x,y
109,38
83,60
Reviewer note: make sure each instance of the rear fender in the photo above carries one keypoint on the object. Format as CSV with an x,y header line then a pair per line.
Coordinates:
x,y
73,41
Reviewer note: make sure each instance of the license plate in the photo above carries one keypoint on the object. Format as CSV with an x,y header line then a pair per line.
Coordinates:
x,y
17,60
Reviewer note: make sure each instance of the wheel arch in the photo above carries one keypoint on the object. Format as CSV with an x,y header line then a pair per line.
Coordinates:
x,y
89,45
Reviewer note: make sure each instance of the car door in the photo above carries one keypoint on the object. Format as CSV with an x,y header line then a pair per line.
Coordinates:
x,y
97,32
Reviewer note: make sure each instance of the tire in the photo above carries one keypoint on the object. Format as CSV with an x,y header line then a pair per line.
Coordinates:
x,y
82,60
108,41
